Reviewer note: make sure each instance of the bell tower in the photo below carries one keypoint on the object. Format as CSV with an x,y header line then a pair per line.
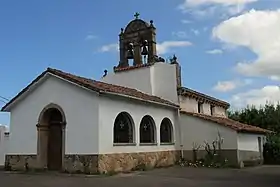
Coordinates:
x,y
137,42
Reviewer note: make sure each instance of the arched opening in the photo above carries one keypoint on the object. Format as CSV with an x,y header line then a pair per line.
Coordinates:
x,y
51,137
166,131
147,130
123,128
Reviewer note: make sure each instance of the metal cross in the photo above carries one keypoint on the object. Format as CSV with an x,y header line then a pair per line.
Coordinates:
x,y
136,15
121,125
145,127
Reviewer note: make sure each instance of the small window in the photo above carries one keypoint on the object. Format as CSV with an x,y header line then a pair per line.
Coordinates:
x,y
200,107
212,109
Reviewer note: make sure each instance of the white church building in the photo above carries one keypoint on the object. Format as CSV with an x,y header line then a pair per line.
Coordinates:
x,y
140,114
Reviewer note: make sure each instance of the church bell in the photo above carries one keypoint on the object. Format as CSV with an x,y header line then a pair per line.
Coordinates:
x,y
144,48
130,54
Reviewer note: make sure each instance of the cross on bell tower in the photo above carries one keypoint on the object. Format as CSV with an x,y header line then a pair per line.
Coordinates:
x,y
137,41
136,15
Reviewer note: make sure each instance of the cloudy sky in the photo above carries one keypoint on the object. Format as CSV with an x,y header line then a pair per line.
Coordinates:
x,y
229,49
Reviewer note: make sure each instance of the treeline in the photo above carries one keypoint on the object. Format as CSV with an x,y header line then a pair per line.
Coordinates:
x,y
268,117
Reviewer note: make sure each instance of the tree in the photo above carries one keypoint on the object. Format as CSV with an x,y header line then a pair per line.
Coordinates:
x,y
267,117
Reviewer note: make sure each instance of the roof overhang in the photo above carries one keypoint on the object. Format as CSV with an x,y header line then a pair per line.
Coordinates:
x,y
47,73
202,97
33,85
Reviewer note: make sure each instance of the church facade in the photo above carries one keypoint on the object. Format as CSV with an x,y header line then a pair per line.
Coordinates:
x,y
138,115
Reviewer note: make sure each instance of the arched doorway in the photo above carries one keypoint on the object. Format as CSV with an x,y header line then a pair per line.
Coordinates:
x,y
51,137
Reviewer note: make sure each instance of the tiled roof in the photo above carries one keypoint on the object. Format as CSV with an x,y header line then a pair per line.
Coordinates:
x,y
121,69
200,96
235,125
98,87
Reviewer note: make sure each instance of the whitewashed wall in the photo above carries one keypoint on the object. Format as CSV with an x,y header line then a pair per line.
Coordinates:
x,y
139,78
80,107
249,142
220,111
159,80
191,105
111,107
3,144
164,82
195,130
188,104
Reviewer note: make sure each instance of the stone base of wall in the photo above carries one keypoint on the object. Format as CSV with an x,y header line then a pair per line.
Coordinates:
x,y
20,162
124,162
81,164
104,163
72,163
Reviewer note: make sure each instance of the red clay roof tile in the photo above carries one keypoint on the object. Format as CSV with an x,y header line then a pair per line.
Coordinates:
x,y
235,125
98,87
121,69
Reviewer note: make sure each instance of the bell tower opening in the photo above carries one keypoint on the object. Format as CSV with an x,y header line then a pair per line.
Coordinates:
x,y
137,44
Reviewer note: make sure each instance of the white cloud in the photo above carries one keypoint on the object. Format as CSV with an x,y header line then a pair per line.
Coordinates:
x,y
259,31
226,86
257,97
214,51
185,21
162,48
180,34
166,46
221,2
109,47
195,32
210,7
90,37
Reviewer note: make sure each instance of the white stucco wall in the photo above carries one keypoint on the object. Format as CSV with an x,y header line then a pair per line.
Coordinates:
x,y
191,105
3,144
220,111
139,78
249,142
188,104
111,107
195,130
80,107
164,83
158,79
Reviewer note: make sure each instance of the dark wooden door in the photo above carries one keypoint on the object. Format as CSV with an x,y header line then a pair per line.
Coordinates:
x,y
55,147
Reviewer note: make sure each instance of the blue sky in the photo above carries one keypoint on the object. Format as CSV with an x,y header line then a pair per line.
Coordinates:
x,y
209,37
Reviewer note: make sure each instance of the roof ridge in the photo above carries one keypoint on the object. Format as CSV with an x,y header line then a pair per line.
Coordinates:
x,y
98,81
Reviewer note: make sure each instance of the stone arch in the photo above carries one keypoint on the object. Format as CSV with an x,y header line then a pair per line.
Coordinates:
x,y
136,25
51,137
51,106
166,131
148,130
123,129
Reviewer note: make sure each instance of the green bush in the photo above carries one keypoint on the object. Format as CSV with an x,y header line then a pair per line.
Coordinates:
x,y
271,151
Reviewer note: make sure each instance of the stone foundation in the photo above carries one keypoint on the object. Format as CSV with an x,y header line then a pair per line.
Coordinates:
x,y
72,163
91,164
81,164
20,162
124,162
